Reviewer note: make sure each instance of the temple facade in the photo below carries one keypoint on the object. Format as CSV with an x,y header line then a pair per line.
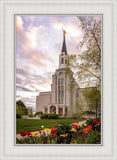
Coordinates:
x,y
64,92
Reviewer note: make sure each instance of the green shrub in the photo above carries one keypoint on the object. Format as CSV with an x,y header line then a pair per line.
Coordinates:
x,y
88,112
63,128
30,115
77,140
44,116
49,116
93,138
94,125
89,122
38,113
18,115
30,140
53,116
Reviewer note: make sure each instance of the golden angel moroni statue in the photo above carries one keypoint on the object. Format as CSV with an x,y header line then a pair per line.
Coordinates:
x,y
64,32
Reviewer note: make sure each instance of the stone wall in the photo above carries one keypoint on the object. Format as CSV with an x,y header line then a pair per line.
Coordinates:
x,y
43,100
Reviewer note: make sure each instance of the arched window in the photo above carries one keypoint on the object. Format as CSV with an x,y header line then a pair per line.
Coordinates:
x,y
61,74
61,91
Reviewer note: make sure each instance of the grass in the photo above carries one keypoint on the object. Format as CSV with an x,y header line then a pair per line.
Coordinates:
x,y
28,125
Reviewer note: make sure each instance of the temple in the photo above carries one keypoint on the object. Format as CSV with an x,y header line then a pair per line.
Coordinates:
x,y
64,94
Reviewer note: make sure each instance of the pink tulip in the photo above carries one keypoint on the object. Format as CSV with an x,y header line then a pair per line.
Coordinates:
x,y
53,122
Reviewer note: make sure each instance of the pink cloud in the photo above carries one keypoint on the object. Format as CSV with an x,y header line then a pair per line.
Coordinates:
x,y
26,42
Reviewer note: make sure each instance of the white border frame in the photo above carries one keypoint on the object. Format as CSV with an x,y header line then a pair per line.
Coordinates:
x,y
109,10
101,76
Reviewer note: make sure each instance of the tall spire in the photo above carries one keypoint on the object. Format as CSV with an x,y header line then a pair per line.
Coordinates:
x,y
64,49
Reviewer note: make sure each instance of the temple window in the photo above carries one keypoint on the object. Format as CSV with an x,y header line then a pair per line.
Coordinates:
x,y
61,91
62,60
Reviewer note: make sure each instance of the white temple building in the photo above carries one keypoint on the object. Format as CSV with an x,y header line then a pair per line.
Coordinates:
x,y
64,92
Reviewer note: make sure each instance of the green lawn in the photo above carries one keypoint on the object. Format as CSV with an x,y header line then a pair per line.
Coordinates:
x,y
28,125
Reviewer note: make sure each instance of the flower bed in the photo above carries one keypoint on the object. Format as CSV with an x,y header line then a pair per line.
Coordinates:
x,y
88,133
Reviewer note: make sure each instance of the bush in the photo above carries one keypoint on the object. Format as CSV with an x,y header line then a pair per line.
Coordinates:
x,y
95,126
18,116
88,112
44,116
53,116
30,115
49,116
77,140
90,121
38,113
93,138
65,130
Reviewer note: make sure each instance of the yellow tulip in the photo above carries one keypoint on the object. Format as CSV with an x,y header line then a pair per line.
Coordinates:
x,y
74,130
33,134
63,135
47,129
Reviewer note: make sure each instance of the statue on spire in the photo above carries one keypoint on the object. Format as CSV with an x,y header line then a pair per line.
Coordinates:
x,y
64,32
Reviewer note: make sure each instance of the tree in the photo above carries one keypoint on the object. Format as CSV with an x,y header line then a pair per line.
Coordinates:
x,y
93,99
21,108
78,109
87,65
30,112
19,102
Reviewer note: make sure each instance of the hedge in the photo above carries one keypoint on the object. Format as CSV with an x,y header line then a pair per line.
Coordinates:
x,y
49,116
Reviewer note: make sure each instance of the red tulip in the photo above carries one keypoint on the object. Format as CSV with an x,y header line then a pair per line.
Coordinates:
x,y
53,131
40,131
94,121
98,122
84,131
90,127
54,135
23,134
29,134
77,122
75,126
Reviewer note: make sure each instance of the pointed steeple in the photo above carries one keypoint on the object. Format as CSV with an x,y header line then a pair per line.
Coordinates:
x,y
64,49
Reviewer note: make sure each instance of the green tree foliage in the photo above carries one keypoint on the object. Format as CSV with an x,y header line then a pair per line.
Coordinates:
x,y
78,109
93,97
88,63
30,112
21,109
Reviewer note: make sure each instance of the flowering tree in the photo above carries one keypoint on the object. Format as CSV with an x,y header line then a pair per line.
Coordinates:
x,y
88,63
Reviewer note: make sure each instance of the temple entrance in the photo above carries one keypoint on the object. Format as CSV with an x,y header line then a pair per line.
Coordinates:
x,y
53,110
60,111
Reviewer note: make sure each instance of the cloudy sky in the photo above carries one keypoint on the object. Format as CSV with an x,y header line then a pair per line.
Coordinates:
x,y
38,45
